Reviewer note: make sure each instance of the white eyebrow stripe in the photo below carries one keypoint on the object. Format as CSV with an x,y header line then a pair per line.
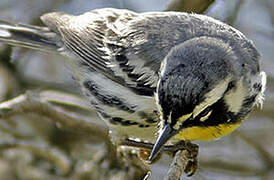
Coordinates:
x,y
181,120
212,96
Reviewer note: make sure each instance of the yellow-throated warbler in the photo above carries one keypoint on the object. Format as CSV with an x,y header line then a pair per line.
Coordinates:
x,y
184,76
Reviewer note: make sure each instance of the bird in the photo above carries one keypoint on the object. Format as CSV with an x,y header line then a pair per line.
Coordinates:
x,y
159,77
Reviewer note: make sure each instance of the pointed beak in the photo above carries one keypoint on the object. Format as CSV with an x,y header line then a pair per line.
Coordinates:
x,y
164,136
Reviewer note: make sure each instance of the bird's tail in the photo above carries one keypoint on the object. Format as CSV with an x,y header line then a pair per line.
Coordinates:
x,y
35,37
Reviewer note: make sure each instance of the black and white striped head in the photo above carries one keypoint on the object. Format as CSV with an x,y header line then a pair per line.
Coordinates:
x,y
203,82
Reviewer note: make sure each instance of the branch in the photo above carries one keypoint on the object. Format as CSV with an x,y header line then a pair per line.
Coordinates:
x,y
183,161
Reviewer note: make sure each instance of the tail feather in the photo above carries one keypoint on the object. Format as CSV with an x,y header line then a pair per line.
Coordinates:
x,y
35,37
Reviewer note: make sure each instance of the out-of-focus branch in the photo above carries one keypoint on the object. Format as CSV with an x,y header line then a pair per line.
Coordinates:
x,y
221,166
8,83
243,169
7,128
195,6
266,157
41,104
232,18
71,113
42,150
268,106
31,172
270,5
8,79
31,102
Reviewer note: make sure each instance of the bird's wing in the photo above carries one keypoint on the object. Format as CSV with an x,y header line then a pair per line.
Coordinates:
x,y
125,46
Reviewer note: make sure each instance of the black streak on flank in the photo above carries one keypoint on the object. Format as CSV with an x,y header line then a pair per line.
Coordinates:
x,y
123,122
148,117
143,125
150,120
107,99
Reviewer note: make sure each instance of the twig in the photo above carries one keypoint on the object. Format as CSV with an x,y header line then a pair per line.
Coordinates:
x,y
183,161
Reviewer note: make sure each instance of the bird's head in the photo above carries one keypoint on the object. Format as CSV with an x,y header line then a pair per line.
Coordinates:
x,y
197,83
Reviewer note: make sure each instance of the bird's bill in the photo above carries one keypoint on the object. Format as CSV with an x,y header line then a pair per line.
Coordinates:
x,y
164,136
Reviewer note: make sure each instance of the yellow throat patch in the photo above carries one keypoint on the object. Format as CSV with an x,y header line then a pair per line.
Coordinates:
x,y
206,133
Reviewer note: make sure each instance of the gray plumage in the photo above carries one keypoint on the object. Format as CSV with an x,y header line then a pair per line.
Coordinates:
x,y
116,56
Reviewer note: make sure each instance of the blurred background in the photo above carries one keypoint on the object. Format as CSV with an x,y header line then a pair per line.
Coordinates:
x,y
59,141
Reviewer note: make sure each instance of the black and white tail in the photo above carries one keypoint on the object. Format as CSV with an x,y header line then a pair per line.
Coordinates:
x,y
35,37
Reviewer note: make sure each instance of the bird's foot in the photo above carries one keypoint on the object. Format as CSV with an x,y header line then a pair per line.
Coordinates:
x,y
184,152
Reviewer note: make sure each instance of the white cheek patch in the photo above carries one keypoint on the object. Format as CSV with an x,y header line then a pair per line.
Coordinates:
x,y
235,97
212,96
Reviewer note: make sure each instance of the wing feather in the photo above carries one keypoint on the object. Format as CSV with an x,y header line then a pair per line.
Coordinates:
x,y
98,39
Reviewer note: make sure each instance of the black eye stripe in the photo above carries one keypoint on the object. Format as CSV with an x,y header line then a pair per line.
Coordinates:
x,y
230,86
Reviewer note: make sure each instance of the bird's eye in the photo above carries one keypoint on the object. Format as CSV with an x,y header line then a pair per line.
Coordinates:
x,y
205,114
